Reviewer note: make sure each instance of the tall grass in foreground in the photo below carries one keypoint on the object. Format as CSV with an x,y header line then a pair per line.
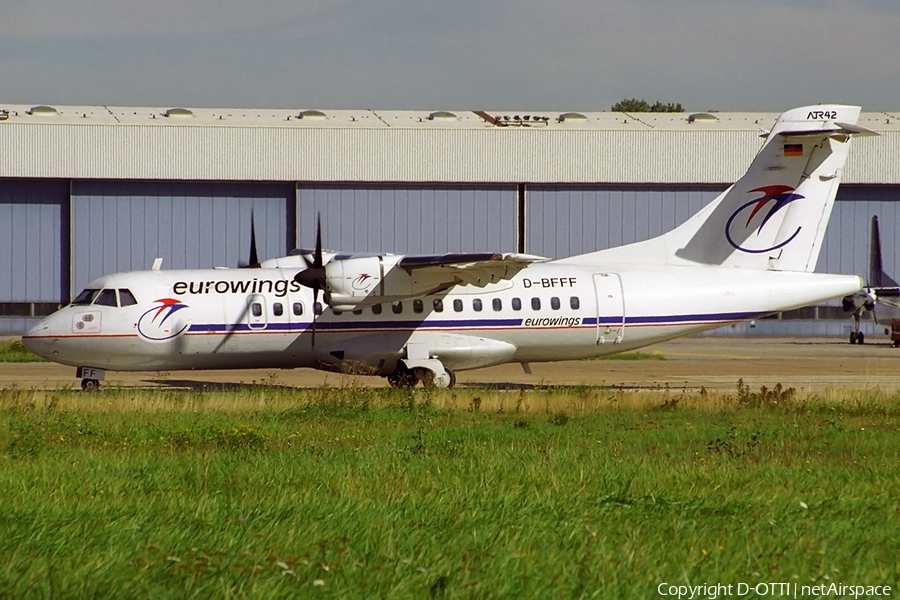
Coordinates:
x,y
363,492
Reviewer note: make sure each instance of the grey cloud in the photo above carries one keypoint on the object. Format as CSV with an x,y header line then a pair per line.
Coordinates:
x,y
576,54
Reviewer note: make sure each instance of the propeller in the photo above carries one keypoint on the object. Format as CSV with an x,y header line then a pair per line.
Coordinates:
x,y
254,257
871,303
313,276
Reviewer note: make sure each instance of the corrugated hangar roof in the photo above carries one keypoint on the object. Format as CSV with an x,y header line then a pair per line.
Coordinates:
x,y
454,146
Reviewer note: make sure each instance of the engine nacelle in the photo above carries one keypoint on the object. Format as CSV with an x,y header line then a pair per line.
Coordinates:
x,y
361,281
862,300
349,281
848,304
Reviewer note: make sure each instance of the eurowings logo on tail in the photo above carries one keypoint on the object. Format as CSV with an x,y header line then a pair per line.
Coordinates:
x,y
153,324
781,195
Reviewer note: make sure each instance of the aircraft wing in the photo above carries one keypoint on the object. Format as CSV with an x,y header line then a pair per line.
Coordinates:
x,y
467,269
352,282
887,292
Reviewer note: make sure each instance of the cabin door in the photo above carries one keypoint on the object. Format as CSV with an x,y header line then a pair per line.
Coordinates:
x,y
610,308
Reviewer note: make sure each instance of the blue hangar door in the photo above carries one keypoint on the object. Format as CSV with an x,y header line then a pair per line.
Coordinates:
x,y
124,226
565,220
34,250
408,219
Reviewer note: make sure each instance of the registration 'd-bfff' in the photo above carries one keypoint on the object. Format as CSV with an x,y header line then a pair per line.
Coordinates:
x,y
411,319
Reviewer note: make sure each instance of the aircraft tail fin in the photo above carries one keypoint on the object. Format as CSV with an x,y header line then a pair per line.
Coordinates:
x,y
774,217
877,277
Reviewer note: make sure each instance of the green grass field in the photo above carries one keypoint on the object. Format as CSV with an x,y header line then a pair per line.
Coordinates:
x,y
347,492
15,351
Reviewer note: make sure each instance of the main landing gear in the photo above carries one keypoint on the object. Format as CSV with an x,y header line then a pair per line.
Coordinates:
x,y
404,377
857,336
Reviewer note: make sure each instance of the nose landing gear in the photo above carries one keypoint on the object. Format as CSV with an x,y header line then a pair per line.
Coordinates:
x,y
90,378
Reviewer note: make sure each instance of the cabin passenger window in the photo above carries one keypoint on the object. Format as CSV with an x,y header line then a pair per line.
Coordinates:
x,y
536,303
574,302
376,309
418,306
107,298
554,303
256,309
457,305
516,304
476,304
126,298
438,305
337,313
497,303
317,308
85,297
298,308
397,307
278,309
358,311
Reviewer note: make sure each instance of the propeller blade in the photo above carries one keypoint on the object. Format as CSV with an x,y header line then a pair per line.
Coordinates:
x,y
254,257
315,316
317,258
313,276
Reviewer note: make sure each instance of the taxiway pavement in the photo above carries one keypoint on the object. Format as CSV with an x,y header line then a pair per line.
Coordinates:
x,y
714,363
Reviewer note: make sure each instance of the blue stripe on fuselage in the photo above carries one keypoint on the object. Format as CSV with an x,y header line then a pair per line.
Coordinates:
x,y
349,324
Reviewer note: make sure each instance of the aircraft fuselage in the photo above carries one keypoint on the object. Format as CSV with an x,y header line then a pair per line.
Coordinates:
x,y
261,318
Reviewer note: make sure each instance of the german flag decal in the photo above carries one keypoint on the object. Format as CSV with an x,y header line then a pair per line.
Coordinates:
x,y
793,149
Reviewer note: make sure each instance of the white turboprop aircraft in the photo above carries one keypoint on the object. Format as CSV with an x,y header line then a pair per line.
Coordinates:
x,y
881,296
750,253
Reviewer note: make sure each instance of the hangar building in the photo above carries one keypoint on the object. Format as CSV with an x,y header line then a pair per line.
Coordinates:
x,y
86,191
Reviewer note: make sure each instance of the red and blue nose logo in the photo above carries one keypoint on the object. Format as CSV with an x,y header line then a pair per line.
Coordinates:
x,y
157,323
746,223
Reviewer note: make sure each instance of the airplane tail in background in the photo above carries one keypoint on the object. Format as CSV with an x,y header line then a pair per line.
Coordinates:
x,y
877,277
775,216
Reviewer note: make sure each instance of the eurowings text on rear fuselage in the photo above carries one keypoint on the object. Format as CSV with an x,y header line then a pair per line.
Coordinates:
x,y
748,254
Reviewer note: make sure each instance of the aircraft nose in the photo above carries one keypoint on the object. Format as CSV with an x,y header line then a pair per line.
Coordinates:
x,y
36,340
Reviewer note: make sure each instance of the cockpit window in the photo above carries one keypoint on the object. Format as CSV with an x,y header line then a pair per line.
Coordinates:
x,y
126,298
85,297
107,298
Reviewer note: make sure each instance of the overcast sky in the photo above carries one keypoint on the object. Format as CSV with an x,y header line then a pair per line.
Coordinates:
x,y
729,55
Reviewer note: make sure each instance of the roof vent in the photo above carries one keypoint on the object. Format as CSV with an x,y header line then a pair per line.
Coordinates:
x,y
179,112
43,111
442,115
572,116
312,114
702,117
